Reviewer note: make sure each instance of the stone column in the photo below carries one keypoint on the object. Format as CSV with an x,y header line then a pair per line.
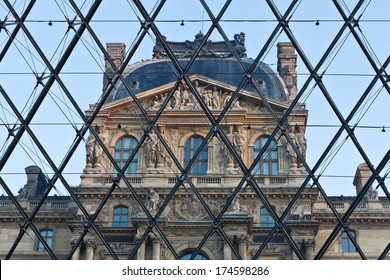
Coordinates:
x,y
309,252
287,63
156,250
89,250
242,247
294,256
76,254
227,251
141,252
280,159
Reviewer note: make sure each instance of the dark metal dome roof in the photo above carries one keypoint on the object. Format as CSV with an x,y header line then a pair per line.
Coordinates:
x,y
149,74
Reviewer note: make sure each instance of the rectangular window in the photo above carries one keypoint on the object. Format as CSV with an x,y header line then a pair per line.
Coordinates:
x,y
347,244
47,235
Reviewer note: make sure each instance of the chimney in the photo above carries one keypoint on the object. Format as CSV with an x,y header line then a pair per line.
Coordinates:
x,y
362,175
116,51
36,181
287,63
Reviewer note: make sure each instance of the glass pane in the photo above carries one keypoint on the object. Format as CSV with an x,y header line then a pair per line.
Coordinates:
x,y
266,168
203,168
133,168
40,247
274,168
49,241
119,145
124,222
195,168
197,257
345,245
257,169
196,142
127,143
257,145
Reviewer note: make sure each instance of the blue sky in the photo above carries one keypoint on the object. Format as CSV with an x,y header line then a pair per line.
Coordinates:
x,y
347,73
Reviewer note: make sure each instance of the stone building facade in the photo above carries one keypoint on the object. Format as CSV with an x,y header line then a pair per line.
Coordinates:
x,y
155,159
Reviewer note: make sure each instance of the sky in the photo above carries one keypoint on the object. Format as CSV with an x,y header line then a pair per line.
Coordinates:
x,y
346,73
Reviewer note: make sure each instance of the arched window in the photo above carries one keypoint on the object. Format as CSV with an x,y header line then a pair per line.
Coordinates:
x,y
187,255
268,164
120,216
266,219
348,246
200,164
47,235
123,149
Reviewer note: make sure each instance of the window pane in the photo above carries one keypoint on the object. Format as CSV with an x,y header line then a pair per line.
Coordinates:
x,y
197,257
120,217
200,164
347,244
47,235
196,142
123,150
257,170
195,168
133,168
274,168
269,159
257,145
264,140
126,143
266,168
203,168
265,218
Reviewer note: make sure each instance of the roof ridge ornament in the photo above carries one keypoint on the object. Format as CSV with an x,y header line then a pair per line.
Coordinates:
x,y
219,49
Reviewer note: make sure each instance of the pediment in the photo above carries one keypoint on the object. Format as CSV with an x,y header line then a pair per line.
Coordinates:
x,y
214,93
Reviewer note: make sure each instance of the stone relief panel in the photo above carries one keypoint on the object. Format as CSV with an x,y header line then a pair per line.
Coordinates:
x,y
189,209
214,97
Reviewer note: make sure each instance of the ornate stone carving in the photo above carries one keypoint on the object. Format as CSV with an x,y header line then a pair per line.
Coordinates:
x,y
152,151
372,194
187,209
291,154
298,139
234,206
152,200
182,99
239,141
94,150
209,49
240,44
24,193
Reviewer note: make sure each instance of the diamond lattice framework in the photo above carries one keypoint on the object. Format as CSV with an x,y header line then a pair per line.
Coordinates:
x,y
200,152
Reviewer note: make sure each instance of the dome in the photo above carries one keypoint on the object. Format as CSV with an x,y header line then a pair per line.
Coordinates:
x,y
149,74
